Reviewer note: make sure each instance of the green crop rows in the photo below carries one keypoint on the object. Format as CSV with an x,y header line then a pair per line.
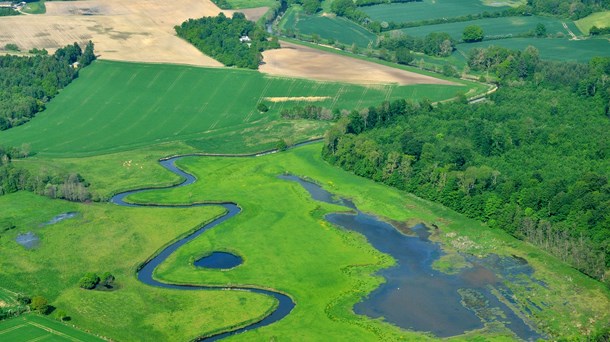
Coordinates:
x,y
114,106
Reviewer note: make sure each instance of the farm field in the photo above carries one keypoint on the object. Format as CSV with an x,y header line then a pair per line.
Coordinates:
x,y
119,107
428,9
496,27
337,28
141,31
36,328
600,19
553,49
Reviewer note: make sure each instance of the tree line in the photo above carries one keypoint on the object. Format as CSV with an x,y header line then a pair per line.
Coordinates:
x,y
27,83
69,186
220,37
534,160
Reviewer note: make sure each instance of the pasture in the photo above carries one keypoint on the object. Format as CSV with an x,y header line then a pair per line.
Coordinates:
x,y
553,49
600,19
116,106
338,29
496,27
428,9
33,327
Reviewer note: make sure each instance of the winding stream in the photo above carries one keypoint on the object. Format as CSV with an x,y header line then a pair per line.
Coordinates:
x,y
414,296
145,274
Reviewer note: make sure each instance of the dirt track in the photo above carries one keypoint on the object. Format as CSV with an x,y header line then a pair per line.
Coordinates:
x,y
300,61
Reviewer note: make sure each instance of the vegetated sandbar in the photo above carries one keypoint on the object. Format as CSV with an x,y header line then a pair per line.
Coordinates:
x,y
301,61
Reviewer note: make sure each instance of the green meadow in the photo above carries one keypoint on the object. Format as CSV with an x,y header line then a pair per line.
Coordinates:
x,y
115,106
336,28
429,9
599,19
33,327
496,27
281,235
554,49
105,237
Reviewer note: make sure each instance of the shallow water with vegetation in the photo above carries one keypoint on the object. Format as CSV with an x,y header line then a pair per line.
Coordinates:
x,y
415,296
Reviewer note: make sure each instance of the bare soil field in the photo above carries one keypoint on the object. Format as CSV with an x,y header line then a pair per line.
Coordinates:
x,y
301,61
135,30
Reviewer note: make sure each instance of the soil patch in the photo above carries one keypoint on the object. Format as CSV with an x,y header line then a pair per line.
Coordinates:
x,y
305,62
297,98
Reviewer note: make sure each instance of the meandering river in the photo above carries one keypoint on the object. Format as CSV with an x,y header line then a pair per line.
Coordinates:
x,y
414,296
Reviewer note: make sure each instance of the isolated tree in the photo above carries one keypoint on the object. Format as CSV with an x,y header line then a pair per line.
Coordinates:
x,y
404,56
61,315
472,33
89,281
540,30
40,304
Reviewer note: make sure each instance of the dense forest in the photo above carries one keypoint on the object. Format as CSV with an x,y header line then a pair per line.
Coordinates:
x,y
533,160
28,83
219,37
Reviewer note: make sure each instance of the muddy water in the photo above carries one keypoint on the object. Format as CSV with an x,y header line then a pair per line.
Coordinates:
x,y
417,297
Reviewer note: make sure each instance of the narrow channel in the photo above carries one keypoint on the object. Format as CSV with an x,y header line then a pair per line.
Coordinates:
x,y
145,273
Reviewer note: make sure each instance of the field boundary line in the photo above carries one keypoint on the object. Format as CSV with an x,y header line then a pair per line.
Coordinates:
x,y
13,328
53,331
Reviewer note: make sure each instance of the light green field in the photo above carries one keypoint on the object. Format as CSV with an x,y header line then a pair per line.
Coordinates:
x,y
337,28
32,327
241,4
496,27
429,9
599,19
552,49
116,106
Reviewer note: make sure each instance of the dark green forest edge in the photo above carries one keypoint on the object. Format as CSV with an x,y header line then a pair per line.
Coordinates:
x,y
28,83
533,160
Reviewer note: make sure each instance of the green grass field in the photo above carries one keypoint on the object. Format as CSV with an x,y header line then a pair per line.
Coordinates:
x,y
600,19
116,106
428,9
337,28
241,4
494,27
552,49
33,327
36,7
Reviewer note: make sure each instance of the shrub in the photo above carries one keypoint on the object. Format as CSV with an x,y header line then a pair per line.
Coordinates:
x,y
89,281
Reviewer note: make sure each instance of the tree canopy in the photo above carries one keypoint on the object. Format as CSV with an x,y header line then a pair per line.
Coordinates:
x,y
220,37
472,33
